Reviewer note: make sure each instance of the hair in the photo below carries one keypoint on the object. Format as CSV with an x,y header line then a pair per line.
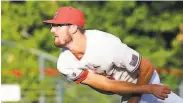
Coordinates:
x,y
81,29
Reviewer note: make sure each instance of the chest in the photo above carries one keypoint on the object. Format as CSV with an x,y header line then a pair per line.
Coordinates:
x,y
99,57
99,63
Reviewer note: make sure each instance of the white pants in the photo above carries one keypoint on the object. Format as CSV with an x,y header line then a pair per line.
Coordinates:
x,y
150,98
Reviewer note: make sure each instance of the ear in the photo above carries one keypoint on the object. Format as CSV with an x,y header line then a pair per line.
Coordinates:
x,y
73,29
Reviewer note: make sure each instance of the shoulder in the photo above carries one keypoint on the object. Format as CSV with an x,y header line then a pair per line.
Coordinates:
x,y
99,33
65,55
103,38
65,60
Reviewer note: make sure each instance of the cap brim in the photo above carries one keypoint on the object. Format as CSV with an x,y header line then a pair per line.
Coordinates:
x,y
51,21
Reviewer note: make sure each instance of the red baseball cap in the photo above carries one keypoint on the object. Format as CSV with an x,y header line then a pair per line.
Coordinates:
x,y
68,15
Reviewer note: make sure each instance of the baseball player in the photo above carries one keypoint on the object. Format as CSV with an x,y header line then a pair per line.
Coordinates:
x,y
101,61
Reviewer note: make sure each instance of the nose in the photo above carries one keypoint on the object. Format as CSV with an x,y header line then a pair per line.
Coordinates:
x,y
52,29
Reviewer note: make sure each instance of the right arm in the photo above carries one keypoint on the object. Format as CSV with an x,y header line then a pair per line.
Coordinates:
x,y
120,87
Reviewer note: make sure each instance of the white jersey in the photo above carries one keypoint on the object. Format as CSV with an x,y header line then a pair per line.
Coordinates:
x,y
105,54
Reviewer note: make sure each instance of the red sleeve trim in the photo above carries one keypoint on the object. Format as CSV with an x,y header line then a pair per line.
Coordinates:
x,y
82,77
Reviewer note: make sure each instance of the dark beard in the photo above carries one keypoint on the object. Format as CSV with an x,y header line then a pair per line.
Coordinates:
x,y
62,46
59,46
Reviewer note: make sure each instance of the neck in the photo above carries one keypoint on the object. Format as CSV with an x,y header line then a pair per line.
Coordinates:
x,y
78,45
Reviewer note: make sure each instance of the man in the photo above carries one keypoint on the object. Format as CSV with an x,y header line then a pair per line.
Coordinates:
x,y
101,61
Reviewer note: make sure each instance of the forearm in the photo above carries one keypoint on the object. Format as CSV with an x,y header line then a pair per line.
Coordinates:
x,y
119,87
114,86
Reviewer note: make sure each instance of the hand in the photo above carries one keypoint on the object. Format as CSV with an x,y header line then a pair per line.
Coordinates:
x,y
133,100
160,91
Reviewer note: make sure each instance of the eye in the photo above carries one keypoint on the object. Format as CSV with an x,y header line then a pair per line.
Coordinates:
x,y
55,25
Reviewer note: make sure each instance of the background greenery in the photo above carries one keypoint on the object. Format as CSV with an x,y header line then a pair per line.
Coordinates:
x,y
154,29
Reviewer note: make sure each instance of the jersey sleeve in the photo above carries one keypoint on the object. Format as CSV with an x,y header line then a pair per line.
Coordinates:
x,y
69,68
125,56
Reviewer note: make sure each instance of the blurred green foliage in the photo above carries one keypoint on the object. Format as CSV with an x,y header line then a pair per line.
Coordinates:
x,y
151,28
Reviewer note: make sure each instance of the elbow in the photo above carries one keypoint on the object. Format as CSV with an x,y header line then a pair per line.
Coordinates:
x,y
150,67
146,70
146,65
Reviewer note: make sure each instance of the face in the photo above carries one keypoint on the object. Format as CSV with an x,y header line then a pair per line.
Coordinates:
x,y
61,35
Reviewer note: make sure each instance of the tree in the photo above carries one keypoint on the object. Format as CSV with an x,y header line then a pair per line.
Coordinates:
x,y
151,28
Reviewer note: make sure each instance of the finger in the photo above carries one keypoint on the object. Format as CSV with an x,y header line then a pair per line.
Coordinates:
x,y
166,91
161,97
164,95
167,88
